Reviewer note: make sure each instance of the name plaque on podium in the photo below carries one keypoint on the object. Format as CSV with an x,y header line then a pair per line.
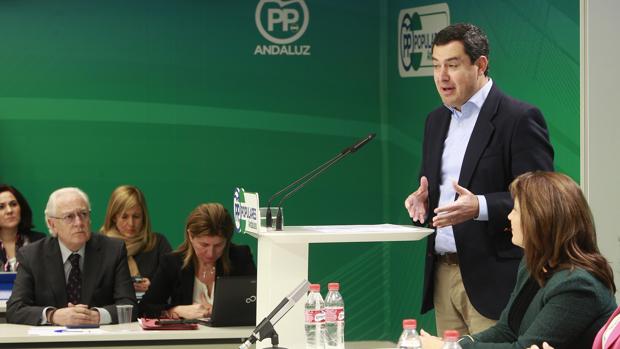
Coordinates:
x,y
249,217
246,212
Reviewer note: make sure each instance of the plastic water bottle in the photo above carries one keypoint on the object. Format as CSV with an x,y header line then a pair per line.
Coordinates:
x,y
334,317
409,339
315,319
450,340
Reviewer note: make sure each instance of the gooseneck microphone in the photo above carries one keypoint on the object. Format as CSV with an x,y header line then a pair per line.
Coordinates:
x,y
305,179
269,218
265,327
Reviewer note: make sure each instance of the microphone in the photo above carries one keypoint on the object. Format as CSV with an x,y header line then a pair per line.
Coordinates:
x,y
265,327
362,142
308,177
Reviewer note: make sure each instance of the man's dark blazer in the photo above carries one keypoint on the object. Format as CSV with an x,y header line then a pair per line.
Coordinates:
x,y
173,285
508,139
40,280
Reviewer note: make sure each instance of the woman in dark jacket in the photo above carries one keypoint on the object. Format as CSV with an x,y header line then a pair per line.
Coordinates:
x,y
127,218
15,226
184,283
565,287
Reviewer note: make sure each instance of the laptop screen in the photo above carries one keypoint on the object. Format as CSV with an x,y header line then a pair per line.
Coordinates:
x,y
6,284
234,301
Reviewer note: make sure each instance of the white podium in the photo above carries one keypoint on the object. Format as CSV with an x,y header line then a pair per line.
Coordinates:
x,y
283,264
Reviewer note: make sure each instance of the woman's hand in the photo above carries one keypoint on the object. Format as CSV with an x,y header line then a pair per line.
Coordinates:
x,y
142,285
429,341
544,346
193,311
205,304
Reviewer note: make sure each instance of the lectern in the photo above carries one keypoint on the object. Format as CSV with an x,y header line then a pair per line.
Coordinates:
x,y
283,263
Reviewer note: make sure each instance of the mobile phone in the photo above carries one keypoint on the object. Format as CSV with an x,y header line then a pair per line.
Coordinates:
x,y
175,321
83,326
137,279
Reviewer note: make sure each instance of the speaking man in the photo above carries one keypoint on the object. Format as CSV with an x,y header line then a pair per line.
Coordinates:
x,y
474,145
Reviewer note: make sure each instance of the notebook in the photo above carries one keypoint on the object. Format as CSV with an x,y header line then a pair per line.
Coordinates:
x,y
234,302
6,284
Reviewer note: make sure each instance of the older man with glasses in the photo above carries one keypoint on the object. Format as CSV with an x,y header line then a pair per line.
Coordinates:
x,y
73,277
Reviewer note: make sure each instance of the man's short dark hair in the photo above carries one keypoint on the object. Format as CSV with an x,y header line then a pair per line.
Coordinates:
x,y
473,39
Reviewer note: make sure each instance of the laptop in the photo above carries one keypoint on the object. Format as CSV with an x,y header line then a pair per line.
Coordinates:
x,y
234,302
6,284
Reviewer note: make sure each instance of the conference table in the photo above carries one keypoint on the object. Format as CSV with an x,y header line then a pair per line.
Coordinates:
x,y
120,336
130,336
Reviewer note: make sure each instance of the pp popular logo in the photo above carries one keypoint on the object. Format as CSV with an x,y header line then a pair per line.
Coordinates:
x,y
238,200
417,26
282,22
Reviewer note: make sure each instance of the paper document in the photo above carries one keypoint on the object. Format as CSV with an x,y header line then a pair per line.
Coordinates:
x,y
60,330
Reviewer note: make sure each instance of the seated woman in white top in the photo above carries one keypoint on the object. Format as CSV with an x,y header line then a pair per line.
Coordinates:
x,y
184,283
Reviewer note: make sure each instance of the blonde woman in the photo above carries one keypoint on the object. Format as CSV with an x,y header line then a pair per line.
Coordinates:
x,y
183,286
127,218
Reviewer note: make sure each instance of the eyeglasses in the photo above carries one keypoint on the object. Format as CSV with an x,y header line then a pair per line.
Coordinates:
x,y
71,217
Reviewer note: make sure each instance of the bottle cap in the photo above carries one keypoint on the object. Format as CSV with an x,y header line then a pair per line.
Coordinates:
x,y
333,286
315,288
450,335
409,324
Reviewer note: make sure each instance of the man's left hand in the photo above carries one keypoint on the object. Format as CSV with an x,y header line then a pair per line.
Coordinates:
x,y
466,207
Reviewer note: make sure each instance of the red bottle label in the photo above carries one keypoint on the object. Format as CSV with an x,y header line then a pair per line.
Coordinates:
x,y
315,316
334,314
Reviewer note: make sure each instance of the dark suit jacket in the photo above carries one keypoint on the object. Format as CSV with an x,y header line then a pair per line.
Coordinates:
x,y
567,313
40,280
174,286
149,261
508,139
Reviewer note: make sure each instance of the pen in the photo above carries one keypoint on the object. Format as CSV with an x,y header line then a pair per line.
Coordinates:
x,y
68,330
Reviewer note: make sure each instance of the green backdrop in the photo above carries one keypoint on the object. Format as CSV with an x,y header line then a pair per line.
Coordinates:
x,y
169,96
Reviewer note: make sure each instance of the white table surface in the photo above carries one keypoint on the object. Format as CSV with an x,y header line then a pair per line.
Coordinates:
x,y
12,333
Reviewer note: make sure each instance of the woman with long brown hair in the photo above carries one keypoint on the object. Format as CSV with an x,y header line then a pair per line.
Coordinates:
x,y
565,288
184,283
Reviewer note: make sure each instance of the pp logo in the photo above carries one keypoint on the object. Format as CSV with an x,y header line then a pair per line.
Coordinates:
x,y
417,27
408,58
286,21
238,199
282,22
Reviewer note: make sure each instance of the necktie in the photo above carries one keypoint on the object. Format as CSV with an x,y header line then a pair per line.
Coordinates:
x,y
74,283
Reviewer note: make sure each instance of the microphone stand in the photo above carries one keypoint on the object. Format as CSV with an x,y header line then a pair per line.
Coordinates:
x,y
265,328
303,184
309,177
321,168
271,333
